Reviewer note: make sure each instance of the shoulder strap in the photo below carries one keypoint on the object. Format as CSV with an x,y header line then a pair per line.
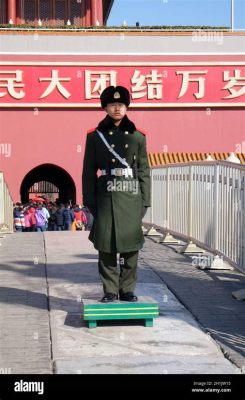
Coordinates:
x,y
91,130
142,132
111,150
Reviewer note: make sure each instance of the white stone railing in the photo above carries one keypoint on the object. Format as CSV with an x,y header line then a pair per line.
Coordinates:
x,y
6,207
202,202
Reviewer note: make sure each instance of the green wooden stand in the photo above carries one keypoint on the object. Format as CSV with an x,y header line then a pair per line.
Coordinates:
x,y
145,308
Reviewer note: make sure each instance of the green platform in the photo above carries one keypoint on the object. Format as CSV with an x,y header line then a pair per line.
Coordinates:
x,y
145,308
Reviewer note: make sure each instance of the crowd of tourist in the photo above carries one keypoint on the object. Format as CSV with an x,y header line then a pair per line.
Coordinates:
x,y
40,217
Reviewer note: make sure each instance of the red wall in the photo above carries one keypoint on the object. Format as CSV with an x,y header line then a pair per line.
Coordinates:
x,y
58,136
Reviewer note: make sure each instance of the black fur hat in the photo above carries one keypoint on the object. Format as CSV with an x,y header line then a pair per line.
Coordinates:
x,y
112,94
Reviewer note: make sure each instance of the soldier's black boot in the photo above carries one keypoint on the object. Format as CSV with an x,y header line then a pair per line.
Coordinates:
x,y
129,296
108,297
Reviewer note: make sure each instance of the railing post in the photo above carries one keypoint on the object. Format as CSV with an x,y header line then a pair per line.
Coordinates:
x,y
1,199
243,218
6,207
190,247
152,197
152,231
189,228
167,239
216,208
167,199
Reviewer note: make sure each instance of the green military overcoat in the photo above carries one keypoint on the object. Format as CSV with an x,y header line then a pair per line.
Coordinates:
x,y
118,200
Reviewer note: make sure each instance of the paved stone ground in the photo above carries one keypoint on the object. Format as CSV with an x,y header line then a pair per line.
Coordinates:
x,y
207,294
44,278
25,345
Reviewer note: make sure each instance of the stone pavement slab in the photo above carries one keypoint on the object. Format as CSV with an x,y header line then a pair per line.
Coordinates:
x,y
43,280
24,316
207,294
141,365
175,344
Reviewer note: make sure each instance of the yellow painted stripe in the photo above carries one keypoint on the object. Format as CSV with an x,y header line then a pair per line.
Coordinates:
x,y
116,309
99,315
157,159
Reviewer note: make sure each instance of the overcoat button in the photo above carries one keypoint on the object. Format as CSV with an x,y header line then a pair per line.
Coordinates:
x,y
126,145
112,145
113,160
126,132
110,133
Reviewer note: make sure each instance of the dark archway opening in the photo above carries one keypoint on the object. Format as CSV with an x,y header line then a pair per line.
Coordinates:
x,y
53,175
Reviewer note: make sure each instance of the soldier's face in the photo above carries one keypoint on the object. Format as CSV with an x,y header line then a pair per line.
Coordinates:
x,y
116,110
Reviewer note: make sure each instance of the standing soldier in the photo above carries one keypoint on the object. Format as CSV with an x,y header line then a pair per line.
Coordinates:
x,y
119,197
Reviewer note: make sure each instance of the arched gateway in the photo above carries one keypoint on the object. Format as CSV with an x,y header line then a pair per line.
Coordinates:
x,y
48,179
